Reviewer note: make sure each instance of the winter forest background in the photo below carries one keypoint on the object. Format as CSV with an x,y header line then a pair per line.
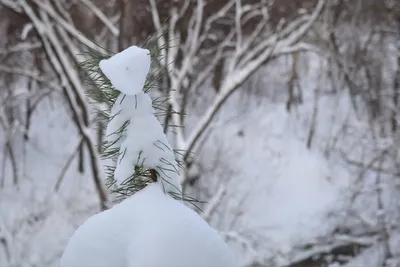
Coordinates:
x,y
293,117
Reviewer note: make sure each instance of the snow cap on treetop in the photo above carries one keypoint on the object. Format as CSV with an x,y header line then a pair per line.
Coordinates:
x,y
128,69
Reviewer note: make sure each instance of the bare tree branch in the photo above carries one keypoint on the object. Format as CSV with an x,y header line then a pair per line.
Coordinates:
x,y
102,17
213,204
72,87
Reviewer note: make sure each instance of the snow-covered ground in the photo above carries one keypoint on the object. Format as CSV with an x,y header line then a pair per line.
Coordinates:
x,y
279,194
35,222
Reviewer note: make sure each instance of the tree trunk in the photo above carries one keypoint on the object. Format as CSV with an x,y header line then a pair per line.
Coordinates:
x,y
81,158
314,119
396,89
292,82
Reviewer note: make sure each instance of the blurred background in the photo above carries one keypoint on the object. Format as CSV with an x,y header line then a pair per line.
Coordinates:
x,y
293,118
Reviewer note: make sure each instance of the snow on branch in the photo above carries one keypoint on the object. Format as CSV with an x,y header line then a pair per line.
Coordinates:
x,y
23,46
71,84
46,7
101,16
6,243
241,50
32,75
213,204
299,255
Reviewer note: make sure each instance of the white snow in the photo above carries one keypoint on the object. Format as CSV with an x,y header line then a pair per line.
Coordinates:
x,y
284,197
146,145
128,69
290,184
149,229
124,108
143,143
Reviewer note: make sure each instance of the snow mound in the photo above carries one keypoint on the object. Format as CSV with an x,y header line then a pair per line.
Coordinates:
x,y
149,229
128,69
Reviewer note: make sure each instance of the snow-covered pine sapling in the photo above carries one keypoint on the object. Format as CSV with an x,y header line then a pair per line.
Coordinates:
x,y
135,143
